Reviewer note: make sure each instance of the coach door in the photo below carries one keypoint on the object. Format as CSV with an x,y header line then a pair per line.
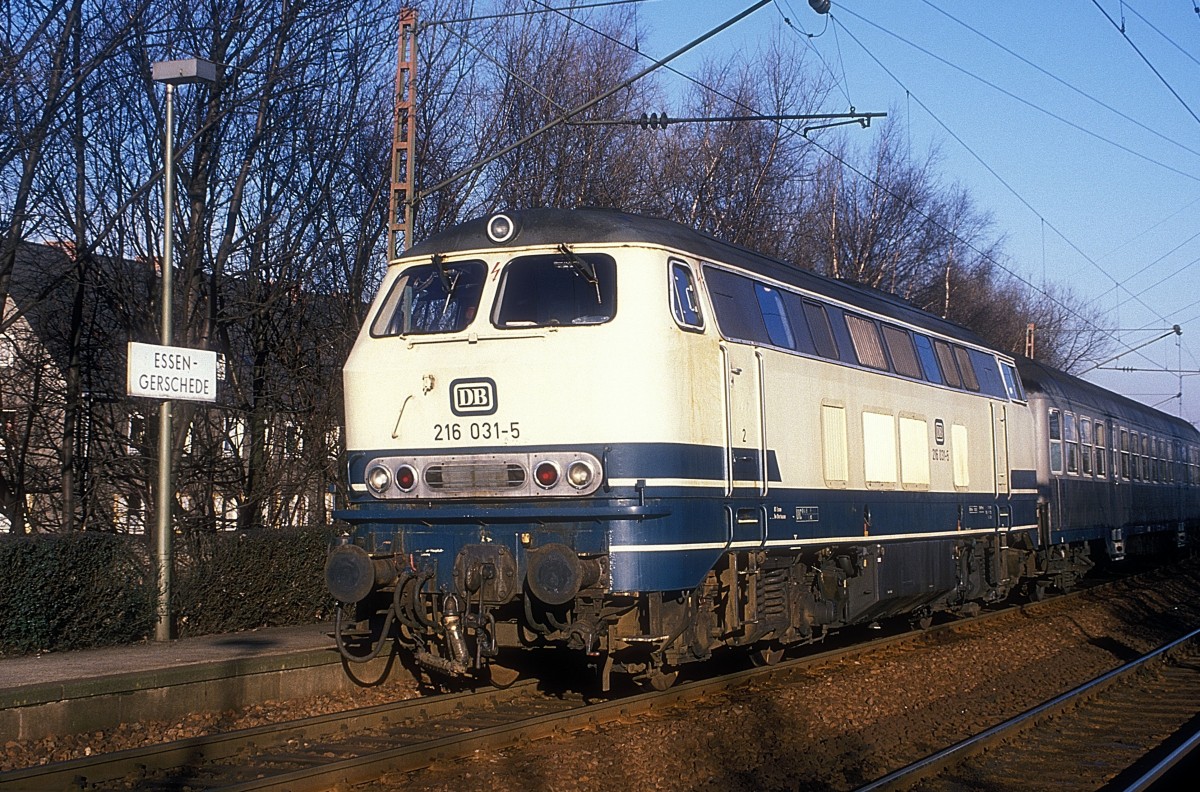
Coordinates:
x,y
745,421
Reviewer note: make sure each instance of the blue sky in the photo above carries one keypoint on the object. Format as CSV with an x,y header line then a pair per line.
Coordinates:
x,y
1104,204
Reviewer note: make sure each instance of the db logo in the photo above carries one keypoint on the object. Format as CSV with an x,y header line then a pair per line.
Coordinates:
x,y
473,396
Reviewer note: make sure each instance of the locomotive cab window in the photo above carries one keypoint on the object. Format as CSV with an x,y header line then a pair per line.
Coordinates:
x,y
557,289
431,298
684,305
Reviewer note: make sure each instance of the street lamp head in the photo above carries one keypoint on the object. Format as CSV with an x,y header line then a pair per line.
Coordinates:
x,y
179,72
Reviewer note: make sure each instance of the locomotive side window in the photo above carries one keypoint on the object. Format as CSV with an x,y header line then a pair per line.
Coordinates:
x,y
970,379
431,298
736,306
1056,451
684,304
946,359
929,360
900,347
554,290
868,346
800,330
1012,382
822,333
779,330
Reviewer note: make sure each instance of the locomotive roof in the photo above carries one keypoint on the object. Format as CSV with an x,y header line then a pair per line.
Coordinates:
x,y
584,226
1066,390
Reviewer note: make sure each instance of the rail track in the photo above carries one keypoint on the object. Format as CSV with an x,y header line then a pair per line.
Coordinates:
x,y
1082,740
343,749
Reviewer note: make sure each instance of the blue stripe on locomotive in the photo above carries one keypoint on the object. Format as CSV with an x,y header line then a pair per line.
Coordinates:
x,y
683,529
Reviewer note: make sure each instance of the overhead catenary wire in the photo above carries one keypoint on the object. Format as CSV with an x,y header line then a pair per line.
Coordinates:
x,y
590,103
999,178
1141,55
1047,295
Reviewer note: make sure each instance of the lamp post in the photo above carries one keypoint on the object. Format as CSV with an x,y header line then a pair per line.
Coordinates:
x,y
177,72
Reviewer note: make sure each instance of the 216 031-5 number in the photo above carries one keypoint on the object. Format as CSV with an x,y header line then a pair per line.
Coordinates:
x,y
476,430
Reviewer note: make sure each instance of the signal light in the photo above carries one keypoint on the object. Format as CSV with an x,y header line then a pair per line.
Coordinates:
x,y
406,478
546,474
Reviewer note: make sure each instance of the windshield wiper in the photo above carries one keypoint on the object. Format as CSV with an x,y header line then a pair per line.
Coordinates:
x,y
584,267
449,283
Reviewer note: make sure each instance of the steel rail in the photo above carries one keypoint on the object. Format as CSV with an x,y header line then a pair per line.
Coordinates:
x,y
961,750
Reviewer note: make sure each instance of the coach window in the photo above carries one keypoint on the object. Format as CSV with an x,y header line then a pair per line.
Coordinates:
x,y
900,347
557,290
1100,451
1145,458
1085,445
929,361
1056,452
684,305
1071,438
949,369
431,298
868,347
779,330
1125,471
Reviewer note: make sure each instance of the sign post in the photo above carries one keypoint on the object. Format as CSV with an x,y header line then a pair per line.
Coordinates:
x,y
172,73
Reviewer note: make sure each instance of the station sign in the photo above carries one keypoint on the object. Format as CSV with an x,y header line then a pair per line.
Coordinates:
x,y
166,372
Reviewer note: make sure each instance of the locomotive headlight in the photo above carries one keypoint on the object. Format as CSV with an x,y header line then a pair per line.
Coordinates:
x,y
580,474
501,228
378,478
546,474
406,478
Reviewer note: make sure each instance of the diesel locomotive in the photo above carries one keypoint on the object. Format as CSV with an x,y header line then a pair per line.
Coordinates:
x,y
617,436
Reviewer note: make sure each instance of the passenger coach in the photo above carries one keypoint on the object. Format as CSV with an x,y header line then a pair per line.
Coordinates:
x,y
617,435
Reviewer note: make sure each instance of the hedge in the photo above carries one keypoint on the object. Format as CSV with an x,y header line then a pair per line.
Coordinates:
x,y
75,591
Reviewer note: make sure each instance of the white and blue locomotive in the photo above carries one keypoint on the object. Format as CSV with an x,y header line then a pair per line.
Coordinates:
x,y
617,435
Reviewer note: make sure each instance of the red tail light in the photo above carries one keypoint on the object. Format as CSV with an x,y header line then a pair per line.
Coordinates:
x,y
546,474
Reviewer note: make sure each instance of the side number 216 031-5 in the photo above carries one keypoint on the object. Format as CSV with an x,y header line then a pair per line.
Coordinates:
x,y
476,430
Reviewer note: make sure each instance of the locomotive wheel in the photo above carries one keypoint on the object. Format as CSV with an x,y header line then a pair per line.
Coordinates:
x,y
660,680
767,656
922,622
501,676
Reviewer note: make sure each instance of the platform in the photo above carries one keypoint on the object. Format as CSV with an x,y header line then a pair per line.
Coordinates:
x,y
94,689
